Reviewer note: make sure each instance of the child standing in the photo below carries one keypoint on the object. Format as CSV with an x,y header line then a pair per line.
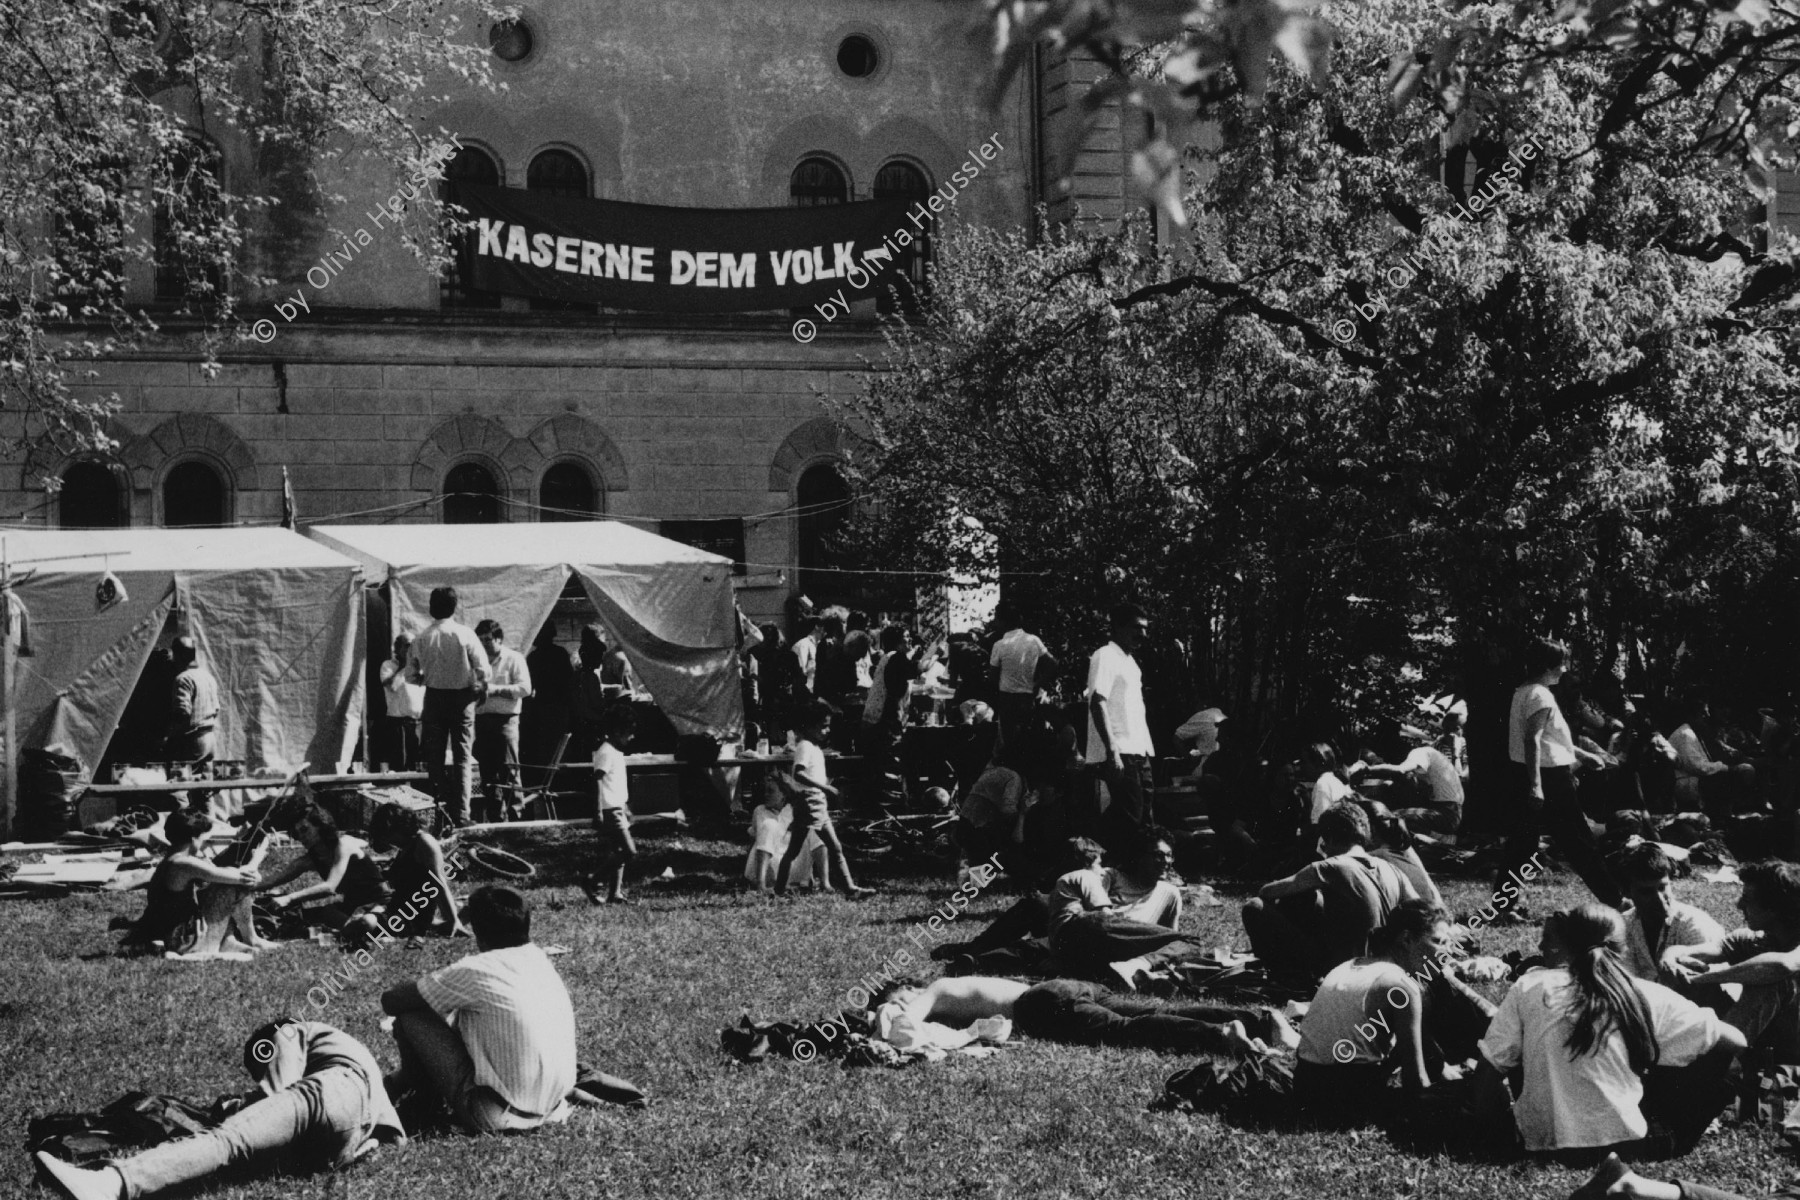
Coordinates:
x,y
811,809
613,818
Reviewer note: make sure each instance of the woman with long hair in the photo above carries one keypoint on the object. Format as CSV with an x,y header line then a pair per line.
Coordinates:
x,y
193,905
1545,756
418,883
350,880
1584,1034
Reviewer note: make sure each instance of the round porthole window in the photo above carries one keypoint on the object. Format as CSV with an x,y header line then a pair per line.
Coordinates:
x,y
857,56
511,41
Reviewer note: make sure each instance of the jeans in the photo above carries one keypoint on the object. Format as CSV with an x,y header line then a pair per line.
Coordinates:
x,y
434,1060
327,1116
1559,814
1087,943
497,750
1066,1010
1768,1014
450,718
400,742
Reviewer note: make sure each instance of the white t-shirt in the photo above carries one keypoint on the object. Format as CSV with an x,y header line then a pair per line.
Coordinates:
x,y
1327,790
609,766
1685,925
1115,675
1161,905
1440,773
1568,1102
812,759
1017,655
806,653
403,699
1353,992
1557,745
513,1013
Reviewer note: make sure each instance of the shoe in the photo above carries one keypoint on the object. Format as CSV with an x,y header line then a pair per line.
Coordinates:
x,y
859,893
619,898
1609,1172
81,1183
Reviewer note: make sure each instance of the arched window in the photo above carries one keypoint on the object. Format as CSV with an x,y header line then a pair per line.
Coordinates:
x,y
567,493
903,181
91,498
471,497
194,493
817,181
469,166
186,219
823,498
558,173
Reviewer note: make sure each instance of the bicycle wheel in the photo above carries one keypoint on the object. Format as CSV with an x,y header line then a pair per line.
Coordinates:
x,y
500,862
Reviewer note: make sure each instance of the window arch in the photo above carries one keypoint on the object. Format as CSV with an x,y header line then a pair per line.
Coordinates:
x,y
558,173
92,496
474,166
187,213
817,181
567,493
471,495
899,180
822,496
194,493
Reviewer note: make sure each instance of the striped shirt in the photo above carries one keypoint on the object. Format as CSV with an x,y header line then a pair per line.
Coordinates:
x,y
515,1018
448,656
508,686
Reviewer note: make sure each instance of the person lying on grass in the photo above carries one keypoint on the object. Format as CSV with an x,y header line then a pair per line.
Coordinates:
x,y
419,862
1588,1040
491,1036
1085,1014
812,810
1612,1178
1135,929
1764,957
1309,922
1378,1013
192,905
319,1096
350,880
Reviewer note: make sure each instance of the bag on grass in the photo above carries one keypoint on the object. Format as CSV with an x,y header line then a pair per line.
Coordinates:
x,y
1252,1090
135,1121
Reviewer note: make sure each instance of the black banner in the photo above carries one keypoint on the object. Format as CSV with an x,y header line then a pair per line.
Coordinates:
x,y
646,256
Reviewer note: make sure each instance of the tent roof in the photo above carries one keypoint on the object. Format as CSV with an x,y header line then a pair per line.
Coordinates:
x,y
127,551
385,547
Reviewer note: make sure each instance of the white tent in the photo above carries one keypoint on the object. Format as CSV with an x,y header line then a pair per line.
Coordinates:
x,y
277,619
669,607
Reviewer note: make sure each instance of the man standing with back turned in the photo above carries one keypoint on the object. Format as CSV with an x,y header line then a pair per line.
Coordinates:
x,y
1118,741
194,711
448,659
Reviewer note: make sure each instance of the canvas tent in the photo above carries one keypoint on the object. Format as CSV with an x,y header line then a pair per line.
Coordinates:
x,y
669,607
277,619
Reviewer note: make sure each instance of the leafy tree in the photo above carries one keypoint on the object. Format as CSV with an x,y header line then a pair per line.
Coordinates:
x,y
113,114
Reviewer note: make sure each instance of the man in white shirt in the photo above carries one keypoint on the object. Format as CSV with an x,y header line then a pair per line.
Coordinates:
x,y
497,722
1017,668
1442,809
492,1035
806,651
449,661
405,705
1118,743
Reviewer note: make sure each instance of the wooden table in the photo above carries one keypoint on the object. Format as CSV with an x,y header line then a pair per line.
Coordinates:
x,y
218,785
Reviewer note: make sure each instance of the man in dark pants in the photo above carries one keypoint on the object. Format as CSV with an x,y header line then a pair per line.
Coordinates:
x,y
448,659
1085,1014
1118,743
194,705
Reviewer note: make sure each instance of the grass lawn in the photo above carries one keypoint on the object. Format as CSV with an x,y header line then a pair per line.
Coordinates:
x,y
653,984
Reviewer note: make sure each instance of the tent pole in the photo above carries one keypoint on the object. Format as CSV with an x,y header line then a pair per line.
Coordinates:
x,y
9,773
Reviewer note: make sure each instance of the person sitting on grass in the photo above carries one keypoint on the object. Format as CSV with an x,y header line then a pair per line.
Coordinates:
x,y
812,810
771,827
1321,915
1137,930
1764,957
612,817
491,1036
1391,840
1659,929
348,873
319,1096
1585,1036
1018,939
419,861
1085,1014
1437,802
1398,1007
192,905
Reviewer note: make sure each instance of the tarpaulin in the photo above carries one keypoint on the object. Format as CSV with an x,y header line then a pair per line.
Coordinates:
x,y
277,619
651,257
669,607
